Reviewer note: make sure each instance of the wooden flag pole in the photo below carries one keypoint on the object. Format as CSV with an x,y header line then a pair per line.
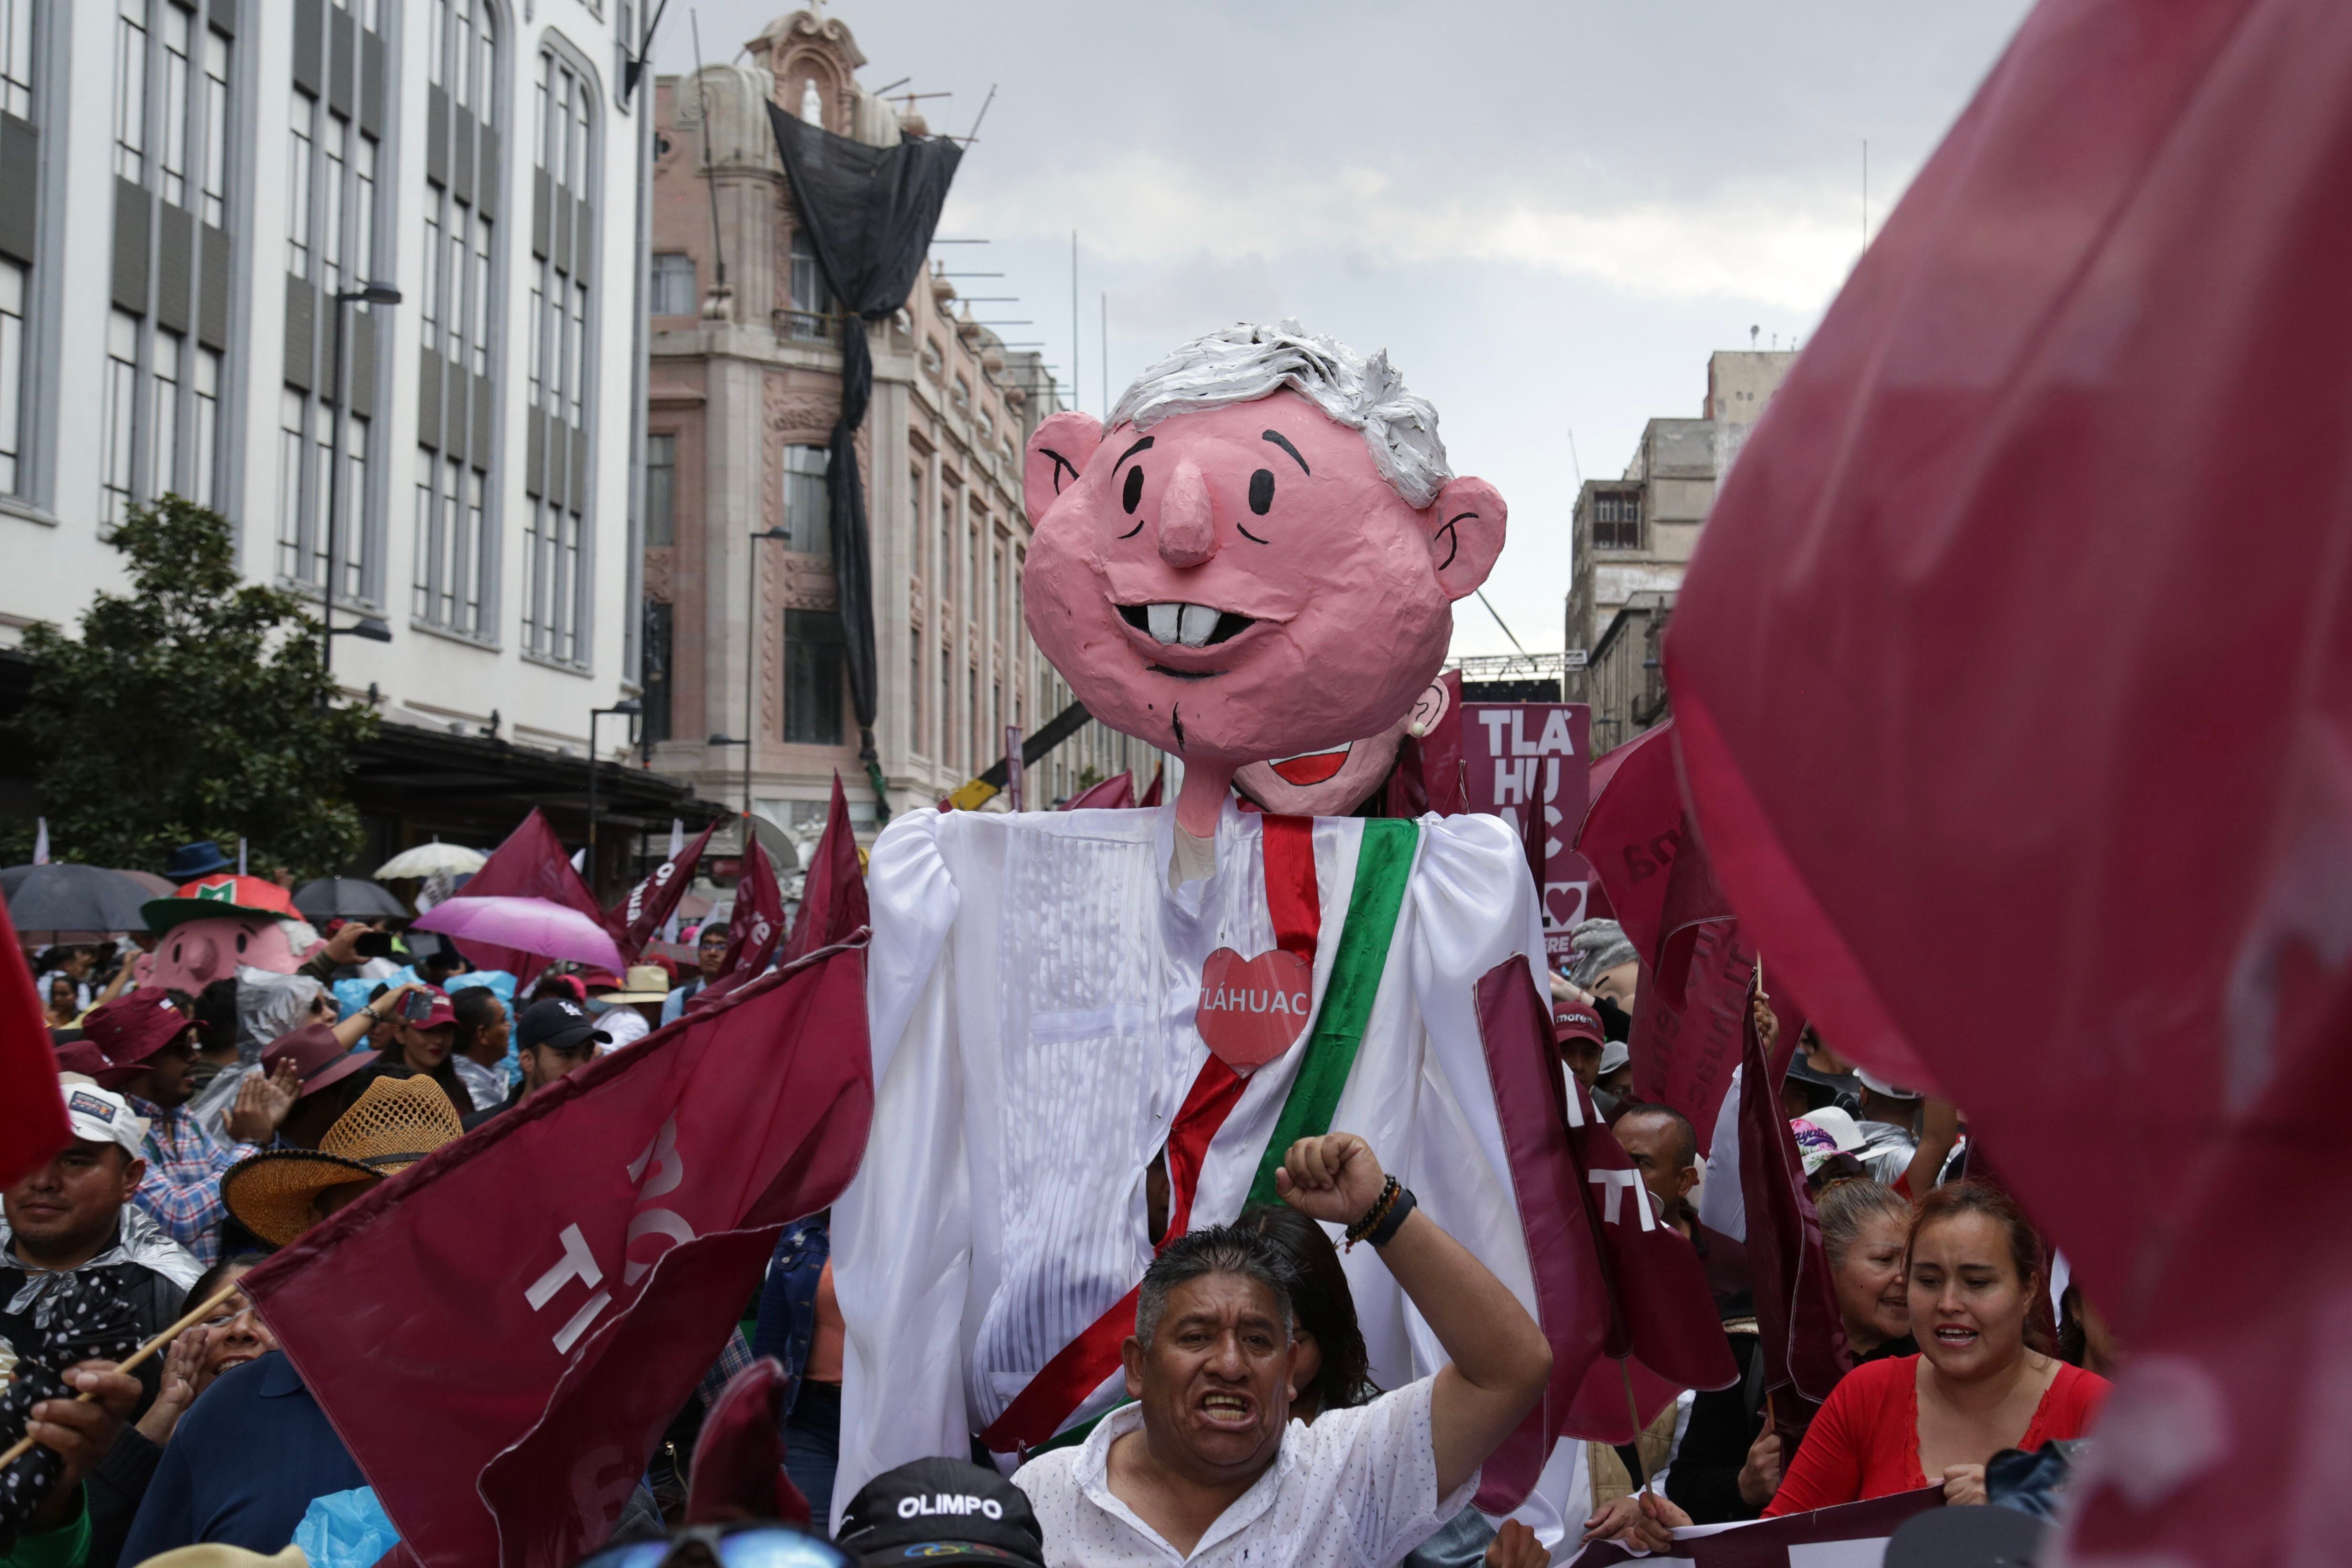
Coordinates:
x,y
1633,1409
187,1320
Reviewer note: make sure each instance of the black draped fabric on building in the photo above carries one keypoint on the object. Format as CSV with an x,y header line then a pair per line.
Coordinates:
x,y
868,213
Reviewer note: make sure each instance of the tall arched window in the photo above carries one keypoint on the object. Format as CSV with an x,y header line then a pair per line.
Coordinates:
x,y
453,568
167,335
557,545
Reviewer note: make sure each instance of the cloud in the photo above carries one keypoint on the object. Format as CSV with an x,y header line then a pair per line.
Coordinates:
x,y
1785,243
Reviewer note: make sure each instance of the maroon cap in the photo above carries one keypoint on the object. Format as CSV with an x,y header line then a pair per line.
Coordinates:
x,y
135,1027
441,1011
318,1057
82,1057
1574,1020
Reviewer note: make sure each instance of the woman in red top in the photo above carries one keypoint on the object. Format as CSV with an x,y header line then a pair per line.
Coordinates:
x,y
1976,1386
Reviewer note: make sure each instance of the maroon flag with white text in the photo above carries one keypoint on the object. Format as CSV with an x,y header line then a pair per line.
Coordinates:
x,y
501,1332
1622,1295
529,864
634,919
754,931
1977,677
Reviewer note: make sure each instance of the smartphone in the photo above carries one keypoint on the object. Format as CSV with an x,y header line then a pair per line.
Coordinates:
x,y
417,1006
375,944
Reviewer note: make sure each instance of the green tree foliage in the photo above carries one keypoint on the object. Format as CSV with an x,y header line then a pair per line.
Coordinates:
x,y
195,708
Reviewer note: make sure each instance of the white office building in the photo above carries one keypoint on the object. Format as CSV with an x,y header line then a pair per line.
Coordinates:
x,y
186,186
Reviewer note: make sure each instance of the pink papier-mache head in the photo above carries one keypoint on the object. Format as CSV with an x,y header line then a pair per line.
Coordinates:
x,y
1258,559
214,925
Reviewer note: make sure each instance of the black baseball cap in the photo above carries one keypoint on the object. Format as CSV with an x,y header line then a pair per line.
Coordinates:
x,y
559,1025
935,1508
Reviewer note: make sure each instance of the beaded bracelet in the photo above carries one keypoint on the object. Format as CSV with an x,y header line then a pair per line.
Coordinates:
x,y
1377,1213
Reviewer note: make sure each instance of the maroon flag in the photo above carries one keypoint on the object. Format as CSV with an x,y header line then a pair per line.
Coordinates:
x,y
1152,797
634,919
757,924
531,864
1632,833
1943,718
1430,773
501,1333
1801,1335
1114,793
1684,1050
1622,1295
833,895
33,1124
738,1471
1852,1532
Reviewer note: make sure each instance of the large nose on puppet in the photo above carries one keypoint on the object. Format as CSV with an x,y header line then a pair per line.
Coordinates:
x,y
1188,532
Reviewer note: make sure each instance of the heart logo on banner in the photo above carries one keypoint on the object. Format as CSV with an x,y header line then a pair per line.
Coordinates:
x,y
1253,1009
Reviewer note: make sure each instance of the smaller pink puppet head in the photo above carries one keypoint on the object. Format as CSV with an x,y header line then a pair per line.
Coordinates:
x,y
1335,781
1260,558
212,926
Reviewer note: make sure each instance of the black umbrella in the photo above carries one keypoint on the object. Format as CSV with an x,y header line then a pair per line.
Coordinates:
x,y
348,898
72,898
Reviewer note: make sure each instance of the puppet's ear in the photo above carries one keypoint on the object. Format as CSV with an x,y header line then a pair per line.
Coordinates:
x,y
1465,534
1057,454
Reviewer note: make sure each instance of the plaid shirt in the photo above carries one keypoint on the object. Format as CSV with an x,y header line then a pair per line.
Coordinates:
x,y
184,1171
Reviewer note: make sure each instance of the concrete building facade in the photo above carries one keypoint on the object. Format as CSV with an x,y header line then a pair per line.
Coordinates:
x,y
744,637
1635,536
185,185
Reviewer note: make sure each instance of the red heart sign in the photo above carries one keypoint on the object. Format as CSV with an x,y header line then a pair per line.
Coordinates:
x,y
1252,1010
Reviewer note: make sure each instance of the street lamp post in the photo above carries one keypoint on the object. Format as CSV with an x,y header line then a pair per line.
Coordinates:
x,y
370,627
626,706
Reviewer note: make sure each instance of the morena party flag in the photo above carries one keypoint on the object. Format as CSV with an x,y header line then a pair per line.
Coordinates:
x,y
754,931
33,1124
531,864
634,920
501,1332
833,895
1622,1295
1977,675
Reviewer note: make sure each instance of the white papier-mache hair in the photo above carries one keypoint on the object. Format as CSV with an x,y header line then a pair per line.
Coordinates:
x,y
1244,363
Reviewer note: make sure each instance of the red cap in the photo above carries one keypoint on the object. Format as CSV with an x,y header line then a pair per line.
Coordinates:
x,y
208,898
135,1027
1574,1020
318,1057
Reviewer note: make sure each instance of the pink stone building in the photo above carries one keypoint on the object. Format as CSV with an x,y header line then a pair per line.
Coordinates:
x,y
744,384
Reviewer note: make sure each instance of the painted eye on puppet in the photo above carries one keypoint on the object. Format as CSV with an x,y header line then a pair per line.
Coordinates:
x,y
1131,496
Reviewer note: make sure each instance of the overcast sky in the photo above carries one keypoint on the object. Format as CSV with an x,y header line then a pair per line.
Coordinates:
x,y
1548,211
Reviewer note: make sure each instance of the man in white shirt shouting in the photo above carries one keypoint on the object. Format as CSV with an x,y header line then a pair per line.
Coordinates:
x,y
1207,1468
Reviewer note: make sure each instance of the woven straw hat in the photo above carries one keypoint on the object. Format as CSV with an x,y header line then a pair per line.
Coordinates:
x,y
396,1123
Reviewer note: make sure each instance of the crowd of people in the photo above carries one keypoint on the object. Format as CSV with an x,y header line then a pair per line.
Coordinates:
x,y
1256,1435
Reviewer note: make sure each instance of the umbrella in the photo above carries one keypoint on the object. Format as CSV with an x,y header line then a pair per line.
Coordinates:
x,y
347,897
157,887
531,925
426,859
65,897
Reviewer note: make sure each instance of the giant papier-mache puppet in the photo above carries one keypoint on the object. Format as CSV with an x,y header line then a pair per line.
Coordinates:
x,y
1083,1019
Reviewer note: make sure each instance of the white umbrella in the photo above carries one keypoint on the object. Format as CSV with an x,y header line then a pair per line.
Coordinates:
x,y
426,859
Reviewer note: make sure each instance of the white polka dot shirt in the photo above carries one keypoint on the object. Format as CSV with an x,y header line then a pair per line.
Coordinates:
x,y
1356,1489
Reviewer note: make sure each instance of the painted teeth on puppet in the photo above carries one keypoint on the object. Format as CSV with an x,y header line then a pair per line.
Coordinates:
x,y
1196,625
1165,620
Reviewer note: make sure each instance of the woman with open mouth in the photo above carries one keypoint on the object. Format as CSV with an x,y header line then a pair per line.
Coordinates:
x,y
1981,1382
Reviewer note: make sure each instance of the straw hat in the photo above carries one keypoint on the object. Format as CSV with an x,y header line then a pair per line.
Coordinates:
x,y
392,1126
645,982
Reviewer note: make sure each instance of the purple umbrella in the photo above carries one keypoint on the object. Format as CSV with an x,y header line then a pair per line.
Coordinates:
x,y
531,925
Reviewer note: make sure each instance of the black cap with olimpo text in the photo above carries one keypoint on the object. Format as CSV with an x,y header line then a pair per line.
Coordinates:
x,y
934,1509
